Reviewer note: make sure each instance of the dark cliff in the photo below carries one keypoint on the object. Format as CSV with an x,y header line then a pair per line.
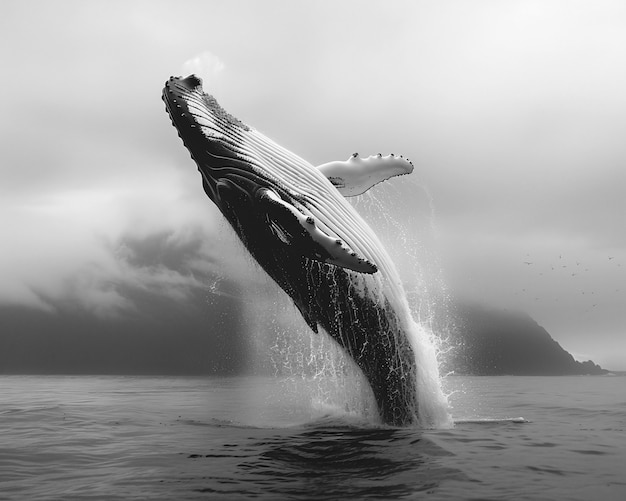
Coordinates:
x,y
497,342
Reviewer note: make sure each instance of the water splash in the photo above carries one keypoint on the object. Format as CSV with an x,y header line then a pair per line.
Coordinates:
x,y
402,214
317,365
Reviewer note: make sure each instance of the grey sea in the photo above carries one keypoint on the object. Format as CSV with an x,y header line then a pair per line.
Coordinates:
x,y
178,438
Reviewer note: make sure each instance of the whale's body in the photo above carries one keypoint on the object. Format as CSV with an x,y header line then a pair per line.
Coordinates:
x,y
297,225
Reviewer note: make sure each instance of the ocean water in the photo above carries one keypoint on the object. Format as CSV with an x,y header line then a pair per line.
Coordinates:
x,y
178,438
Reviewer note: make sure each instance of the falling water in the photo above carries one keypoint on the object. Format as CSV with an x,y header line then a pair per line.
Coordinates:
x,y
315,362
401,212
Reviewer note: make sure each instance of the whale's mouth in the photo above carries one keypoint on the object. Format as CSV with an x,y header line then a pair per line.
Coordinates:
x,y
191,108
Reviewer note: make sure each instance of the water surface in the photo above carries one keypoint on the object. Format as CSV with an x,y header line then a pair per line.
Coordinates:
x,y
94,437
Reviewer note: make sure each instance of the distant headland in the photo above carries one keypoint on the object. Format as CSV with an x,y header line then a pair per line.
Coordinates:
x,y
164,336
489,341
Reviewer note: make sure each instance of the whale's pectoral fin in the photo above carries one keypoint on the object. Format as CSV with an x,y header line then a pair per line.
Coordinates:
x,y
295,229
357,175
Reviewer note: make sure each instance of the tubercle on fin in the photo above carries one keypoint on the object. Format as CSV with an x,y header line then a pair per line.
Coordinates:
x,y
378,155
357,174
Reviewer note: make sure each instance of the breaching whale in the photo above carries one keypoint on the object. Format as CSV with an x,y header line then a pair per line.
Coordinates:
x,y
294,220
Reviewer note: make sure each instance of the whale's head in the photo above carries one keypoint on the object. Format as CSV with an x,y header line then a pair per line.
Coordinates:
x,y
271,197
213,137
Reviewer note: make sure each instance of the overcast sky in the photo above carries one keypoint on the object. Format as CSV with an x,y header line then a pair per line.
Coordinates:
x,y
513,112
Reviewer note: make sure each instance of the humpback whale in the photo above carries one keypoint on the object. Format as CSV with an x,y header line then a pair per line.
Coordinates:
x,y
293,218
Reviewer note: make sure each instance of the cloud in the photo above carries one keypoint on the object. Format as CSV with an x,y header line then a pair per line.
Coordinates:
x,y
103,277
87,247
